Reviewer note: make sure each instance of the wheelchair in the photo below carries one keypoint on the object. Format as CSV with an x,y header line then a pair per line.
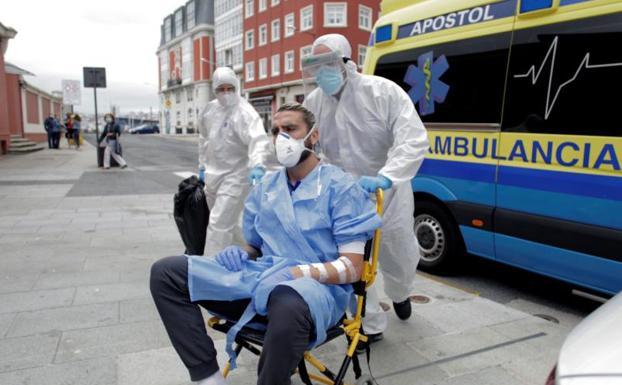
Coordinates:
x,y
252,339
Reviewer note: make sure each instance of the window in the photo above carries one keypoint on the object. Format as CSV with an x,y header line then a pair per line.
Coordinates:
x,y
250,71
250,8
263,68
306,18
167,29
276,65
190,15
365,18
289,61
276,30
458,94
559,101
179,18
262,5
250,40
274,3
362,54
263,34
290,25
335,15
177,96
305,51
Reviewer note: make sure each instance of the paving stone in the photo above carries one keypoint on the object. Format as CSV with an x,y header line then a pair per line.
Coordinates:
x,y
153,367
27,352
65,318
491,376
82,278
111,292
93,372
35,300
11,282
109,341
5,323
136,310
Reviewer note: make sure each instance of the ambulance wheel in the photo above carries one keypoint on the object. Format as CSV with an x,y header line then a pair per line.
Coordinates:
x,y
440,242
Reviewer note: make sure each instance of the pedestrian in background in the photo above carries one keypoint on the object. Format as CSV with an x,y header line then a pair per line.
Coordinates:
x,y
69,128
77,125
48,124
111,134
56,130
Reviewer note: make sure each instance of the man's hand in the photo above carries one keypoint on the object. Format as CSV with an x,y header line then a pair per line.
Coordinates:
x,y
372,183
232,258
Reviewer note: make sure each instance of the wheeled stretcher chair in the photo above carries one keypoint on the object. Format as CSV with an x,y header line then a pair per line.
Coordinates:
x,y
252,339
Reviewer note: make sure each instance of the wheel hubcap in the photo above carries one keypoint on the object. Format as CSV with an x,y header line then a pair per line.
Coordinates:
x,y
430,236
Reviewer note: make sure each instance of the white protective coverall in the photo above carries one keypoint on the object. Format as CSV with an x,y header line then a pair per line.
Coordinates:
x,y
232,140
371,127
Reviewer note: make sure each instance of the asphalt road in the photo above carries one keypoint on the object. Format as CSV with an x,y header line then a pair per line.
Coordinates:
x,y
157,164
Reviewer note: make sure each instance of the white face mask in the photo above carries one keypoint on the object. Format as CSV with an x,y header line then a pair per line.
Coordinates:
x,y
289,150
226,99
108,120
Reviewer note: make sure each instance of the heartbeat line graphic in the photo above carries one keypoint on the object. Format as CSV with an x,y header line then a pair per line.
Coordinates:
x,y
585,63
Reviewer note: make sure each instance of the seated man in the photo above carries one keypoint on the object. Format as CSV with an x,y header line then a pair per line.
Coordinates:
x,y
305,227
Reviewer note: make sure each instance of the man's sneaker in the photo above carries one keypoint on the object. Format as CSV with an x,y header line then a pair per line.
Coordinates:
x,y
124,166
371,338
403,309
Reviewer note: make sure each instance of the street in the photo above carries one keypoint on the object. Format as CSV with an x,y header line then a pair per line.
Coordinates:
x,y
78,242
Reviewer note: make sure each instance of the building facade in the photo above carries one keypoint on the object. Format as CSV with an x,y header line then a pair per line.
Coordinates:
x,y
186,60
6,33
228,35
277,33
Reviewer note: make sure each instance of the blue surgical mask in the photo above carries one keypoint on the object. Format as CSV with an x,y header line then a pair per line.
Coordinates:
x,y
330,80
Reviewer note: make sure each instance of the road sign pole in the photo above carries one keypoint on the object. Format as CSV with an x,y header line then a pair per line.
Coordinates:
x,y
96,119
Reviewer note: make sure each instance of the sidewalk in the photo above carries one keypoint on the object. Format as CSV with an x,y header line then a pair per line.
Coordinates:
x,y
75,306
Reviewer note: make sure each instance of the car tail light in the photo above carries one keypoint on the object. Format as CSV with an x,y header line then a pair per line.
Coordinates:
x,y
550,380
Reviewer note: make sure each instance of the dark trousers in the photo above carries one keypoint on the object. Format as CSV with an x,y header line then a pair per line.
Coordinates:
x,y
50,140
55,139
289,324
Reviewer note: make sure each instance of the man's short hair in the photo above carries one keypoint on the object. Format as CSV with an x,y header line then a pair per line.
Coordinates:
x,y
307,115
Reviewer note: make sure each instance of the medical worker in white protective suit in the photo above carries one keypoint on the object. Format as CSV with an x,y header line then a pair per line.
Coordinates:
x,y
370,128
233,151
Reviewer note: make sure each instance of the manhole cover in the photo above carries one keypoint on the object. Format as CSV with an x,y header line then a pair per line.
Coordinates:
x,y
385,306
547,318
419,299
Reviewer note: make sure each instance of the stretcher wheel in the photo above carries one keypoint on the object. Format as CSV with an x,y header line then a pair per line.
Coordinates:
x,y
364,380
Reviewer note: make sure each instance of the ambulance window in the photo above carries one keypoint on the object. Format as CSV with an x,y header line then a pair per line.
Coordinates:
x,y
456,82
565,79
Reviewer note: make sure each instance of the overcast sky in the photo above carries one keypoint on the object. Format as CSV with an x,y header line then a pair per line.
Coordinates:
x,y
55,39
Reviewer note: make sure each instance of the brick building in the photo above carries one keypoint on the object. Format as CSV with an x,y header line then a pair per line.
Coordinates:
x,y
186,60
277,33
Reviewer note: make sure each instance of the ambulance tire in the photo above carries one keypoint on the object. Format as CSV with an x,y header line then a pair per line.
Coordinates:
x,y
440,241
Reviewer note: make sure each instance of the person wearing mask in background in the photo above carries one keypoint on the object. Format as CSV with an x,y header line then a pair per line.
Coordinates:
x,y
233,152
111,134
369,127
77,125
48,124
56,131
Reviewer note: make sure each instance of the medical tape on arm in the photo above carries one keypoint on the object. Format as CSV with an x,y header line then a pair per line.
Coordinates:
x,y
350,266
305,270
341,268
322,270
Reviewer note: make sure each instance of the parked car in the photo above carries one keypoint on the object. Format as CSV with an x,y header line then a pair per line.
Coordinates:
x,y
145,129
592,352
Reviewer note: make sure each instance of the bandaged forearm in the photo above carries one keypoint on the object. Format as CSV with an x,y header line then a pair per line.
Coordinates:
x,y
339,271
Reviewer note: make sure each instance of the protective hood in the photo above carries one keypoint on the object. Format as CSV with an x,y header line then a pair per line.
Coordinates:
x,y
335,42
225,75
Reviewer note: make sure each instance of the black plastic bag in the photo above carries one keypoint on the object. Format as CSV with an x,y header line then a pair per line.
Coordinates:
x,y
191,215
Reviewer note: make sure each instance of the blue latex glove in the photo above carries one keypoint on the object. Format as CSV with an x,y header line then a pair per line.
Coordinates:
x,y
232,257
202,174
372,183
265,286
256,174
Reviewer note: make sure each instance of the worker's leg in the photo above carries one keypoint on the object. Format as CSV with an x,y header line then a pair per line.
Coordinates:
x,y
290,329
